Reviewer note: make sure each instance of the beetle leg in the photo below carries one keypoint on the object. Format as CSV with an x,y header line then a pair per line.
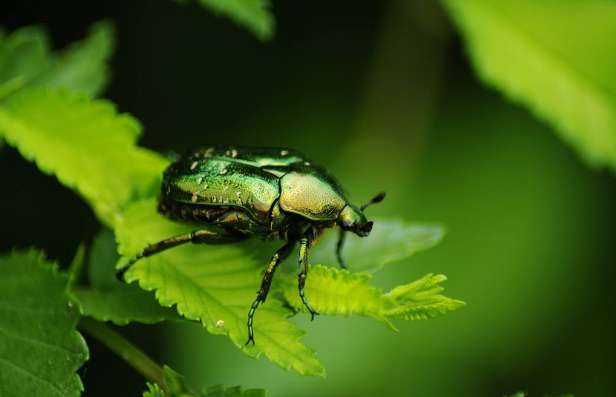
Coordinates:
x,y
341,240
280,256
196,237
304,244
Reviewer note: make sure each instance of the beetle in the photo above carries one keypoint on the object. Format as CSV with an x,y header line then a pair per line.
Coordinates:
x,y
233,193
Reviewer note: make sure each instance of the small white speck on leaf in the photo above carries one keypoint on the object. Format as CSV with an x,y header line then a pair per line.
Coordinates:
x,y
220,323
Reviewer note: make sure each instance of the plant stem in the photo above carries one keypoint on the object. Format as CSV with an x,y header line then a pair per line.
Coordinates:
x,y
124,349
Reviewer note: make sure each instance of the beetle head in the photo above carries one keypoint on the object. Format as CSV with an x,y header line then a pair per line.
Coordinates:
x,y
352,218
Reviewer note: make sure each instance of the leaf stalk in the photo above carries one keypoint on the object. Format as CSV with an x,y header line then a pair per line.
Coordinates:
x,y
128,352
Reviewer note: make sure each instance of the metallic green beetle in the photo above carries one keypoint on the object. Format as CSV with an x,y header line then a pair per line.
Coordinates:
x,y
267,193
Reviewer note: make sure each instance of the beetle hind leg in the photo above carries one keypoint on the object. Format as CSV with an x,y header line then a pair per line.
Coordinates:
x,y
280,256
196,237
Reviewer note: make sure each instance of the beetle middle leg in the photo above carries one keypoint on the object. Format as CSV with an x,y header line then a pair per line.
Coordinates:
x,y
196,237
280,256
339,246
304,244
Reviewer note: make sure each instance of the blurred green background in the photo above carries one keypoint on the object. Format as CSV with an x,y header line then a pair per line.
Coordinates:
x,y
382,94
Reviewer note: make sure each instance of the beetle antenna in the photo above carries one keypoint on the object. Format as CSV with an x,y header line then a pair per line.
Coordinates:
x,y
377,199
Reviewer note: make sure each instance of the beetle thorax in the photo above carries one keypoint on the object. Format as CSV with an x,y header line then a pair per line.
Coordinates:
x,y
353,219
310,196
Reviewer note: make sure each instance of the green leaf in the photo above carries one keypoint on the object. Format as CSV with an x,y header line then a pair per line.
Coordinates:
x,y
86,144
24,55
338,292
553,57
108,299
40,349
421,300
210,284
26,60
389,241
75,269
103,258
84,65
153,391
176,385
254,15
9,87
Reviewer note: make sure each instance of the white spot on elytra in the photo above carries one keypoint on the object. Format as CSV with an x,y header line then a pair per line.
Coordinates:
x,y
196,194
233,153
307,164
226,200
220,323
225,187
284,152
223,171
199,180
194,165
239,199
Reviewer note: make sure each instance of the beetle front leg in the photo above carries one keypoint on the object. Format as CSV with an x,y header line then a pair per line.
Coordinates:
x,y
304,244
196,237
280,256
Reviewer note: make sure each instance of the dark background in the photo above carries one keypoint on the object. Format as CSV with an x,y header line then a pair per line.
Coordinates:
x,y
382,94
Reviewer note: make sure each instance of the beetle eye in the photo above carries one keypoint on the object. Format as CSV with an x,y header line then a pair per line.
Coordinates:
x,y
367,228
